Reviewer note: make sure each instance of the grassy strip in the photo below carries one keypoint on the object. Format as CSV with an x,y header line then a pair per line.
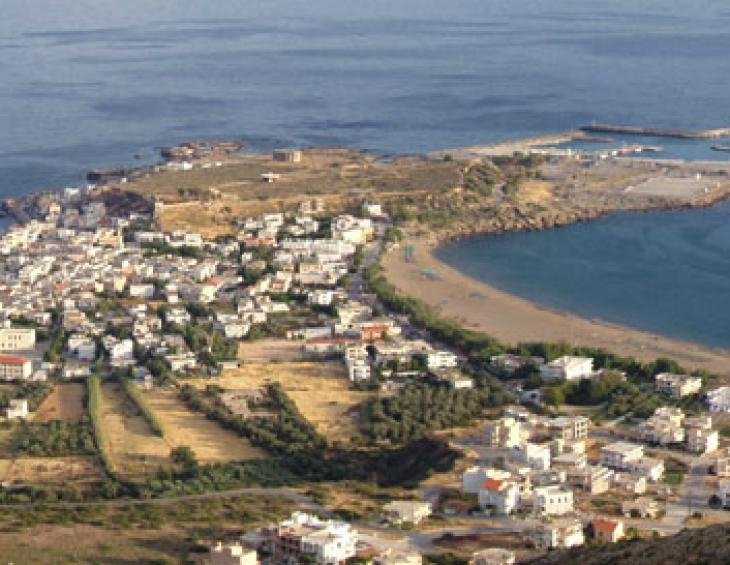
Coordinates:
x,y
95,405
138,398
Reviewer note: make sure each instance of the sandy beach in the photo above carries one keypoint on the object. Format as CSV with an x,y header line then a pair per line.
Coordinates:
x,y
514,320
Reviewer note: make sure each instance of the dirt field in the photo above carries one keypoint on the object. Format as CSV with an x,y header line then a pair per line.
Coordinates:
x,y
53,545
338,177
320,390
66,402
49,470
134,448
266,350
210,442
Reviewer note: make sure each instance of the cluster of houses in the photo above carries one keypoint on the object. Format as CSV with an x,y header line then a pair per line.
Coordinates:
x,y
539,464
81,258
669,426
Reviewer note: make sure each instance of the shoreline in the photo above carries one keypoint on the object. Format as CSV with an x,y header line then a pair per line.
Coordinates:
x,y
513,320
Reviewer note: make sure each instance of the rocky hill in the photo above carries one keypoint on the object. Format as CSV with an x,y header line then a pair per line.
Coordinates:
x,y
708,546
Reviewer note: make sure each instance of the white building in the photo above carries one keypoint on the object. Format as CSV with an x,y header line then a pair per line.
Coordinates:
x,y
620,455
231,554
505,432
569,427
677,385
559,533
17,339
701,438
328,542
441,360
649,467
553,500
568,368
15,368
718,400
536,456
17,408
501,497
474,477
407,511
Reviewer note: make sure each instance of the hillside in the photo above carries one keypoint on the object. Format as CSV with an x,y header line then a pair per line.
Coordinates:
x,y
690,547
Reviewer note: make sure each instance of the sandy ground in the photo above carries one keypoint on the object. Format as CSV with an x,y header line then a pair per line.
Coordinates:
x,y
49,470
210,442
514,320
265,350
320,391
135,449
66,402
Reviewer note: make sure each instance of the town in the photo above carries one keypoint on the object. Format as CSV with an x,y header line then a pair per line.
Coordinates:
x,y
271,359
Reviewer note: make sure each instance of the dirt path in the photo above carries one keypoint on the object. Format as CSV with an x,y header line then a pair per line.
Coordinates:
x,y
66,402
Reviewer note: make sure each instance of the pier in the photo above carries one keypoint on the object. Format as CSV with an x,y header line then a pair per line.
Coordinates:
x,y
658,132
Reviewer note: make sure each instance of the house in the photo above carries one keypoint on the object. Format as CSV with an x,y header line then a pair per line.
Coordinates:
x,y
718,400
145,291
629,483
620,455
536,456
287,155
567,368
82,347
231,554
607,531
441,360
569,461
701,438
15,368
181,361
17,408
474,477
505,432
17,339
569,427
649,467
500,497
325,542
553,500
677,386
560,533
454,378
593,479
406,511
493,556
664,427
642,507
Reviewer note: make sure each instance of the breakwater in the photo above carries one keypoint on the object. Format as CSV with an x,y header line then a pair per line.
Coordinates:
x,y
658,132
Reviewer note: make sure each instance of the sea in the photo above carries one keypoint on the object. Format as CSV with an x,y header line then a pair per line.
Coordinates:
x,y
107,83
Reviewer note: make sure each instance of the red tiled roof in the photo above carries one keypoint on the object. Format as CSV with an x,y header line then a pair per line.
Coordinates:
x,y
607,526
492,484
9,360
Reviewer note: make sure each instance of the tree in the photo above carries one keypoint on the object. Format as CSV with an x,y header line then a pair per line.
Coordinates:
x,y
553,395
185,456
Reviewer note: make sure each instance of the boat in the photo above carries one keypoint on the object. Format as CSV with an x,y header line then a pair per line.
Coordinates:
x,y
721,148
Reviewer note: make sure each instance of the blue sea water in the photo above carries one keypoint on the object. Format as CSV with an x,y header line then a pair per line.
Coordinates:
x,y
666,272
88,83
